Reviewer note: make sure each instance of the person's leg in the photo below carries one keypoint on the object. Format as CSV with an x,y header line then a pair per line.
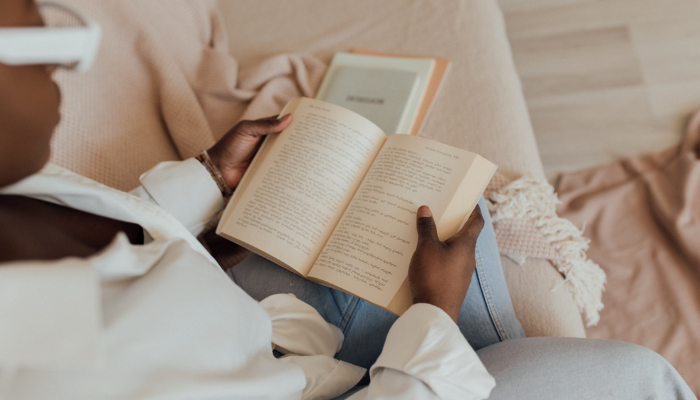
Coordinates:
x,y
547,368
487,315
364,325
571,368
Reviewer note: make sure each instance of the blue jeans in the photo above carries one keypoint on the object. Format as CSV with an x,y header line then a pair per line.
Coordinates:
x,y
486,317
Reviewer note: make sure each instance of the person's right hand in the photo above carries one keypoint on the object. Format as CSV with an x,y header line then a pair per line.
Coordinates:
x,y
440,272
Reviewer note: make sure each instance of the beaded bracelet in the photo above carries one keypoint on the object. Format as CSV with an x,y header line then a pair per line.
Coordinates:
x,y
203,158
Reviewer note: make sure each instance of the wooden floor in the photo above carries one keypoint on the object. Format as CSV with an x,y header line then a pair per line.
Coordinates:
x,y
604,79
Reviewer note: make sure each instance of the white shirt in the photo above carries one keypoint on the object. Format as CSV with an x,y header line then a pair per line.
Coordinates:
x,y
163,321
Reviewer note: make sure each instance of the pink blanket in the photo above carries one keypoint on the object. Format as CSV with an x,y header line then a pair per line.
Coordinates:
x,y
643,218
164,87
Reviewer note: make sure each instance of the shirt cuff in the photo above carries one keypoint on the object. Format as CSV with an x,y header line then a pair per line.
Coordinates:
x,y
426,344
50,315
186,190
297,328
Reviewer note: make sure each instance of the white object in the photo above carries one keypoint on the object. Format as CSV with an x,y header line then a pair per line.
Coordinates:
x,y
423,67
71,47
381,95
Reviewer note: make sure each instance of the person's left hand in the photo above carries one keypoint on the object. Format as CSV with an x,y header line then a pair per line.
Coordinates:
x,y
236,149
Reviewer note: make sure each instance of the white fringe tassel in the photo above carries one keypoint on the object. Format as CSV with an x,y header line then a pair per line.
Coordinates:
x,y
535,200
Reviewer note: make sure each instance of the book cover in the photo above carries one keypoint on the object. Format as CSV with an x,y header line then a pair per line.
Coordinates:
x,y
378,94
437,79
423,67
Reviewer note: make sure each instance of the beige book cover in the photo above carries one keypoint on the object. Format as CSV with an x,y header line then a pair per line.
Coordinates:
x,y
381,95
423,67
435,82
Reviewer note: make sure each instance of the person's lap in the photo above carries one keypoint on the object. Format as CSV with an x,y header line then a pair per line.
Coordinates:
x,y
524,368
487,315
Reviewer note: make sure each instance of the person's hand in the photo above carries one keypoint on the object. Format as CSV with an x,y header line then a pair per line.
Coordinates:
x,y
234,152
440,272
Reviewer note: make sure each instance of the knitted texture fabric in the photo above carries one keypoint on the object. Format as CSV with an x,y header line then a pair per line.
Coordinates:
x,y
164,88
526,225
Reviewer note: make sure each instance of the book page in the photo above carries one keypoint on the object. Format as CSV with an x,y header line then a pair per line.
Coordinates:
x,y
305,181
369,252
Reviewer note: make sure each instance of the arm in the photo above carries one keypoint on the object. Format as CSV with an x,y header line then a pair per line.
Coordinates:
x,y
425,355
186,188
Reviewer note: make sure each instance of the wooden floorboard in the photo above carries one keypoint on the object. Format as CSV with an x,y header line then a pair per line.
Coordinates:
x,y
605,79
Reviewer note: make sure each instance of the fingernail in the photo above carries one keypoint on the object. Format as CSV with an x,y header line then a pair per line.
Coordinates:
x,y
286,117
424,211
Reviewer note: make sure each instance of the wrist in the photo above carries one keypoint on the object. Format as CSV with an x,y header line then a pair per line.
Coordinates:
x,y
213,166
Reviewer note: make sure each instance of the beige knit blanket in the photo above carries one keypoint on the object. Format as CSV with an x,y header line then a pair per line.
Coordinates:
x,y
164,87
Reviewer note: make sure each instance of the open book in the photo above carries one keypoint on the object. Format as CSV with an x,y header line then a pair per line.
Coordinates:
x,y
333,199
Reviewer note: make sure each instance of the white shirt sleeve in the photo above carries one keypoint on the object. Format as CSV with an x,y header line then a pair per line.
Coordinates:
x,y
185,189
426,357
309,342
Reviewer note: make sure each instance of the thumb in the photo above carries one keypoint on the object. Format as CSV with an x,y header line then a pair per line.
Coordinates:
x,y
265,126
426,225
471,229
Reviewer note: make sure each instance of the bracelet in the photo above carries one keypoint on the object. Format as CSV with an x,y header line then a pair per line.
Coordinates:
x,y
215,173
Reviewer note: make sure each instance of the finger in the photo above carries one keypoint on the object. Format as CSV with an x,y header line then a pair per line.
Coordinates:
x,y
471,229
265,126
426,225
270,118
274,118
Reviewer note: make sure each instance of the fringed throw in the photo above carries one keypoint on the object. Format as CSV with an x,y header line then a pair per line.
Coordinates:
x,y
526,224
